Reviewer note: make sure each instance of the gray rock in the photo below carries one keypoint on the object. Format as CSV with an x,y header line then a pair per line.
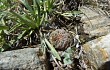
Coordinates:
x,y
96,23
98,51
23,59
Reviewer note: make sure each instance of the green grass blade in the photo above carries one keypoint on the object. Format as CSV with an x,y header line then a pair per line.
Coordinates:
x,y
24,20
25,2
20,17
3,27
50,4
39,12
21,35
14,27
35,10
76,12
53,51
42,19
44,5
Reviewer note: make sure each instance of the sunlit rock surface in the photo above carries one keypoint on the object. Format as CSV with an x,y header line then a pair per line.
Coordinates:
x,y
23,59
97,45
96,22
98,50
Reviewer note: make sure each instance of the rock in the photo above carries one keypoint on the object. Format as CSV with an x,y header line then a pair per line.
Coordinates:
x,y
96,23
23,59
98,51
